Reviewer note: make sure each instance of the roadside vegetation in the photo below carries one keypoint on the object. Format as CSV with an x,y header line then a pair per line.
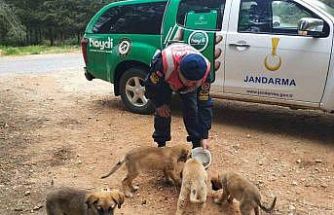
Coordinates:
x,y
37,49
51,26
44,26
34,22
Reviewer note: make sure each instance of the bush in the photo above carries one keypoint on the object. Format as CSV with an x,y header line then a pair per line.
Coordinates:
x,y
37,49
15,36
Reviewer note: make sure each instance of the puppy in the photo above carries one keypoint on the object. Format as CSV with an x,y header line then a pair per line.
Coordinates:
x,y
78,202
235,186
151,158
194,187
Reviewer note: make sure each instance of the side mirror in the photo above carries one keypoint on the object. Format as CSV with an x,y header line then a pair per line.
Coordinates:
x,y
276,21
311,27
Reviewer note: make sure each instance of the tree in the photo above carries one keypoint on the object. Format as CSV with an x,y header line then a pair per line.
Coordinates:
x,y
53,20
28,12
329,2
11,29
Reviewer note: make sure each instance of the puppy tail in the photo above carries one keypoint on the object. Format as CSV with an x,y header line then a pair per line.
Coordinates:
x,y
268,210
115,168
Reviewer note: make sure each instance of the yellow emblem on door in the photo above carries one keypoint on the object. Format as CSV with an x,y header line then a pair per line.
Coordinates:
x,y
273,62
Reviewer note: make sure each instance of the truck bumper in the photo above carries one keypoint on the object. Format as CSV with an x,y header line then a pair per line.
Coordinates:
x,y
88,76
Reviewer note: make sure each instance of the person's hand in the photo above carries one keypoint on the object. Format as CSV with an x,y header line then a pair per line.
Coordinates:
x,y
205,143
163,111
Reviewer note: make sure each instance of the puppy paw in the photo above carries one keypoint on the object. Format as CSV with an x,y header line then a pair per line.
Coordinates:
x,y
128,194
134,188
179,212
169,181
217,201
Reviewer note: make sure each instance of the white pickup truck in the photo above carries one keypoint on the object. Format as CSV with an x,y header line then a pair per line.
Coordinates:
x,y
267,51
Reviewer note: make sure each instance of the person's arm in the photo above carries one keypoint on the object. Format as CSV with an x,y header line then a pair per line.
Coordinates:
x,y
156,89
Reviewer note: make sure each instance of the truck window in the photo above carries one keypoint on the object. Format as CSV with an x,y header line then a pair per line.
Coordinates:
x,y
131,19
286,16
187,6
254,16
273,16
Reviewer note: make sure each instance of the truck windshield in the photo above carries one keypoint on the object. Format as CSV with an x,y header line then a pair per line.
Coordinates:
x,y
325,5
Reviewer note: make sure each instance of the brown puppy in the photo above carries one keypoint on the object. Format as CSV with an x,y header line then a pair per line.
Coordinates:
x,y
151,158
194,187
235,186
78,202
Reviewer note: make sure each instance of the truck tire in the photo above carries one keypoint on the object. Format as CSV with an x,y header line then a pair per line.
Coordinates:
x,y
132,91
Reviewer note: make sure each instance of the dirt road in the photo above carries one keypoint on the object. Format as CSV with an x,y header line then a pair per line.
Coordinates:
x,y
59,129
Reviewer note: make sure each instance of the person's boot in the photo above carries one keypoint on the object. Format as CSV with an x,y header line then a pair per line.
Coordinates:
x,y
196,144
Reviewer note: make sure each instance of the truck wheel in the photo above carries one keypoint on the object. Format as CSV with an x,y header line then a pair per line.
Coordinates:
x,y
132,91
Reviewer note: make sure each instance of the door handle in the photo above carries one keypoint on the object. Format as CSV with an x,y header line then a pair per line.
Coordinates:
x,y
239,45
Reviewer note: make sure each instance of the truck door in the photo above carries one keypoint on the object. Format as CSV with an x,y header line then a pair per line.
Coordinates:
x,y
194,22
266,58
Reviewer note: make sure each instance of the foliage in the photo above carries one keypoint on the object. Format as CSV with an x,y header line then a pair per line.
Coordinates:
x,y
36,49
11,29
39,20
329,2
59,21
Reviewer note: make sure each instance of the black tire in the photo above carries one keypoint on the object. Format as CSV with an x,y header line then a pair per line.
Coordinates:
x,y
132,91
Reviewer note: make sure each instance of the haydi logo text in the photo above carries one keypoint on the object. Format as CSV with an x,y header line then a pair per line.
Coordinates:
x,y
102,45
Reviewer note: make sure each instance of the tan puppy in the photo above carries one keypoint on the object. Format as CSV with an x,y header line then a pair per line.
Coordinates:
x,y
194,187
151,158
78,202
235,186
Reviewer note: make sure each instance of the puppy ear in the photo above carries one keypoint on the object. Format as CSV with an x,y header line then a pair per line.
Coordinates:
x,y
185,152
118,198
212,182
216,182
91,199
188,154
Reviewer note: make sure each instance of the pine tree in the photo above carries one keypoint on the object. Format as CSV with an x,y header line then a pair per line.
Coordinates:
x,y
11,29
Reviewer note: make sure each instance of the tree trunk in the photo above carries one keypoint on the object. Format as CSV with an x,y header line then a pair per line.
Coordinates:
x,y
51,37
30,36
40,35
61,37
27,37
36,37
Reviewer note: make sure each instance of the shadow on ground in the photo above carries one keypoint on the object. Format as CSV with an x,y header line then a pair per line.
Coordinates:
x,y
312,125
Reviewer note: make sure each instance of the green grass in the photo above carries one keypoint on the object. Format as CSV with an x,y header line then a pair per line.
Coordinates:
x,y
34,50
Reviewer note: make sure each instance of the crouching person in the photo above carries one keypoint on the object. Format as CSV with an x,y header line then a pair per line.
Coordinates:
x,y
184,70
